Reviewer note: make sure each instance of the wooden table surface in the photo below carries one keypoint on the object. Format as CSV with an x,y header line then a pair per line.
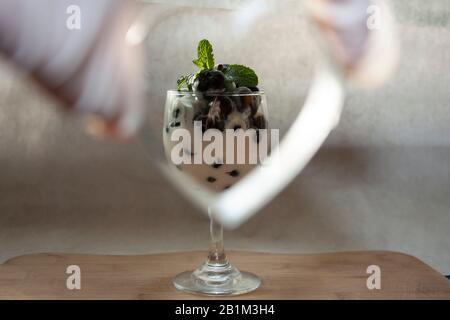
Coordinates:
x,y
285,276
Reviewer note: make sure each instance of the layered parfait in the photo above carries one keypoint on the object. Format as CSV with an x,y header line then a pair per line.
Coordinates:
x,y
220,97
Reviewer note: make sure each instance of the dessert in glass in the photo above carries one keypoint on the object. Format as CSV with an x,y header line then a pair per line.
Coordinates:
x,y
216,107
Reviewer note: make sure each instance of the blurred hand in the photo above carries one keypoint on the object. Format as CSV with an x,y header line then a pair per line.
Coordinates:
x,y
88,64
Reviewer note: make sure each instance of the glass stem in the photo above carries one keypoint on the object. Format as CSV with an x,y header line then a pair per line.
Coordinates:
x,y
216,254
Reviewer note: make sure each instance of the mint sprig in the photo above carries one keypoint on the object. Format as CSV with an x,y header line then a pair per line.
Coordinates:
x,y
241,75
205,59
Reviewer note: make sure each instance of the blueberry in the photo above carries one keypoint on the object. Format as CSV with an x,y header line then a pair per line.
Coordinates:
x,y
245,98
256,101
243,90
216,165
259,121
215,118
211,80
251,100
222,67
254,89
175,124
226,105
237,102
233,173
211,179
176,113
257,136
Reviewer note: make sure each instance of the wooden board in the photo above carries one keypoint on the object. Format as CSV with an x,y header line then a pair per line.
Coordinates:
x,y
285,276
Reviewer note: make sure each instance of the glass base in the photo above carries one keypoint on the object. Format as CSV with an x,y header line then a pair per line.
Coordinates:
x,y
216,280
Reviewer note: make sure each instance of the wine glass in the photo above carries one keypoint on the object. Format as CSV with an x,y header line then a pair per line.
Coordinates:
x,y
228,117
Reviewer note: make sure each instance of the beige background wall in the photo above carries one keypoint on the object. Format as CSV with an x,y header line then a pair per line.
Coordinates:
x,y
382,181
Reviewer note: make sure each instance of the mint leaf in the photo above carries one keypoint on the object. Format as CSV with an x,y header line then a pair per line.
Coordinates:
x,y
181,82
243,76
205,59
199,64
187,81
